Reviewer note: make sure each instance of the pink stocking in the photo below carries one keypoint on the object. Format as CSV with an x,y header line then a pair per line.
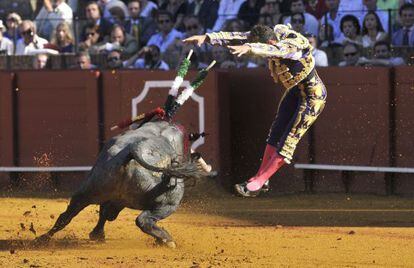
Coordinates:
x,y
274,163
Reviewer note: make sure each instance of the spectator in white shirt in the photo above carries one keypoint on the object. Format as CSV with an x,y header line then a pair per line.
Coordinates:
x,y
311,23
31,43
321,59
6,45
372,30
167,34
52,13
333,18
228,9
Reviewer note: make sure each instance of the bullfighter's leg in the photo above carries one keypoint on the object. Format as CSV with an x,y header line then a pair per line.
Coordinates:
x,y
108,211
76,205
147,220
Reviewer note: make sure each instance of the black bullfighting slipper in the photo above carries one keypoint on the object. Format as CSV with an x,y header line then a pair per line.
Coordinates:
x,y
241,189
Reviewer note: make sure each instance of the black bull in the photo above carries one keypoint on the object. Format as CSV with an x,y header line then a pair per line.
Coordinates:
x,y
139,169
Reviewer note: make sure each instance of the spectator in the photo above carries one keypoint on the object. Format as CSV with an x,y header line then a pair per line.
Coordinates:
x,y
382,55
62,40
312,24
52,13
333,18
352,56
147,58
117,15
107,5
405,35
147,8
321,59
6,45
228,9
178,9
372,30
92,38
220,55
234,25
167,34
137,26
113,59
83,61
351,30
93,15
31,43
121,41
350,6
298,22
250,11
13,21
371,6
326,36
196,59
206,11
192,26
316,7
270,14
22,7
41,61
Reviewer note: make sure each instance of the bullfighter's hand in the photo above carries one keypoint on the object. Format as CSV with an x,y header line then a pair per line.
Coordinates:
x,y
196,39
240,50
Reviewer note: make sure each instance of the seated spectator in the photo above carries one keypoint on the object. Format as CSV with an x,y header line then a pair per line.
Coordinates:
x,y
228,9
192,26
326,36
316,7
6,45
205,11
93,15
121,41
312,24
270,14
234,25
321,59
92,37
371,6
351,30
137,26
83,61
249,12
178,9
405,35
13,21
196,59
382,56
148,8
41,61
167,34
298,22
333,18
149,58
117,15
62,40
107,5
350,6
22,7
372,30
31,43
352,56
52,13
219,54
113,59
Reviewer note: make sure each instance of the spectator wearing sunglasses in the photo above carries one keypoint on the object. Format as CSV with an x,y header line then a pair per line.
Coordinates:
x,y
94,15
352,56
167,34
92,38
149,58
297,21
312,24
31,43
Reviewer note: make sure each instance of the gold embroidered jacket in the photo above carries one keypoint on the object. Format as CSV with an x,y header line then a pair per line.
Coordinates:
x,y
290,60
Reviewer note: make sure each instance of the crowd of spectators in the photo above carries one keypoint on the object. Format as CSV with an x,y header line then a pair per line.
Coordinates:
x,y
147,34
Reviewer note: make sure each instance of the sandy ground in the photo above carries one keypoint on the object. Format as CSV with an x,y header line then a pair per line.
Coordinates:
x,y
222,231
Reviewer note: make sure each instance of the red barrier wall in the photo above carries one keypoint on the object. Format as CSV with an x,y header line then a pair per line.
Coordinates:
x,y
404,128
354,127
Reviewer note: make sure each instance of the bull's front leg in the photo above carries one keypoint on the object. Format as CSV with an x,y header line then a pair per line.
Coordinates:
x,y
147,220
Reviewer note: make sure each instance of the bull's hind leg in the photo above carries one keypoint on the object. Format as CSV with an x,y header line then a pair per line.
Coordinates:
x,y
76,205
147,220
108,211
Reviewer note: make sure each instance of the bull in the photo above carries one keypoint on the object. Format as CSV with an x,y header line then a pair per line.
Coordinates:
x,y
140,169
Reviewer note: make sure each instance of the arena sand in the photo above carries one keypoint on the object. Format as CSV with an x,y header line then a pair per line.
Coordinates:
x,y
333,230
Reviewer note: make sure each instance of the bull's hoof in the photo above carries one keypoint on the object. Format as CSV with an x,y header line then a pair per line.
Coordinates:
x,y
165,243
97,236
42,240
